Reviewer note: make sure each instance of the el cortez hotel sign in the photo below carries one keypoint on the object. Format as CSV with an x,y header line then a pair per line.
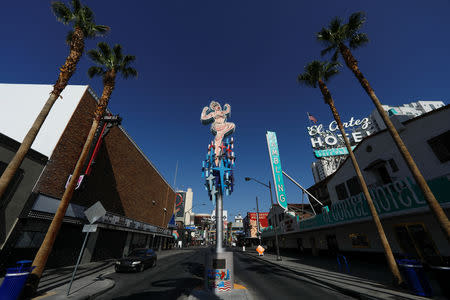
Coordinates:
x,y
275,162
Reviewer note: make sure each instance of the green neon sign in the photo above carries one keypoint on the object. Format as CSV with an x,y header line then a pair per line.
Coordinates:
x,y
275,162
331,152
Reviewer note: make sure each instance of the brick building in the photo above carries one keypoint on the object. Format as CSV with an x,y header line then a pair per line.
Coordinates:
x,y
138,200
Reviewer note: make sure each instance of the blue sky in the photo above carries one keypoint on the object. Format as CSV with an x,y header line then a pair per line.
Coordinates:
x,y
245,53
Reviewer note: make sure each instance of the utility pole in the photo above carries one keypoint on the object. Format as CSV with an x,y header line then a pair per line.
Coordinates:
x,y
276,225
258,232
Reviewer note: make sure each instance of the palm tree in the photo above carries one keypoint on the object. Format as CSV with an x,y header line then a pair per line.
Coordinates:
x,y
82,20
335,38
110,62
318,72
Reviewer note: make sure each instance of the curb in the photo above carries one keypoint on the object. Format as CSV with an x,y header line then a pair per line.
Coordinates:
x,y
98,293
341,289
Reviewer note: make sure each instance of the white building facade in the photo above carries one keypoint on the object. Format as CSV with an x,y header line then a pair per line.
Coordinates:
x,y
325,166
410,226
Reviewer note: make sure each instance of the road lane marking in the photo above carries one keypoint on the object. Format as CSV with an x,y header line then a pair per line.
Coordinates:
x,y
239,287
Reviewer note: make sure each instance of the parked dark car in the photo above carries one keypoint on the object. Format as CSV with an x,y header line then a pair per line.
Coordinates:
x,y
137,260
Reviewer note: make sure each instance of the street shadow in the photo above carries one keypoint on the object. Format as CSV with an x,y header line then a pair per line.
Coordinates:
x,y
167,289
265,267
59,277
374,268
195,269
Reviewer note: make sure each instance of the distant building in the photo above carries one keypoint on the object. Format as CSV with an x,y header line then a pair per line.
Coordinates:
x,y
324,167
251,225
238,224
183,207
403,112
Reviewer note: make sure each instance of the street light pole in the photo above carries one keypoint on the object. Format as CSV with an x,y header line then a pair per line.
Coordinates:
x,y
258,232
276,226
276,219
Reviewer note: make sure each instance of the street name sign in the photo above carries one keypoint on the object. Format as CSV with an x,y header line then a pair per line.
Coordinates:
x,y
277,172
95,212
90,228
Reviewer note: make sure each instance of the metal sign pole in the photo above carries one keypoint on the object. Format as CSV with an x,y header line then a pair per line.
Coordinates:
x,y
275,225
258,233
78,261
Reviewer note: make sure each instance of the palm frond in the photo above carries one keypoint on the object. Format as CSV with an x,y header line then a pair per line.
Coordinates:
x,y
312,74
118,56
105,50
306,79
129,72
69,36
101,30
358,40
328,49
95,71
62,12
76,5
87,14
330,69
96,57
335,25
324,35
128,59
355,21
113,59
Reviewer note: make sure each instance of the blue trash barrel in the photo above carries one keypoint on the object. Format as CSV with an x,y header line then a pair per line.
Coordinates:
x,y
414,275
15,280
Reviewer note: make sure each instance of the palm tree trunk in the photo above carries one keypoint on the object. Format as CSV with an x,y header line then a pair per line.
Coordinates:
x,y
439,213
44,251
387,248
67,70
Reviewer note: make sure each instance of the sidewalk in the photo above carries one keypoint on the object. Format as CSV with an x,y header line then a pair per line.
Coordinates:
x,y
352,284
90,280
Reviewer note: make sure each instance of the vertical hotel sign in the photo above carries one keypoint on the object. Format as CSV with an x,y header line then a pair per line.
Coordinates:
x,y
275,162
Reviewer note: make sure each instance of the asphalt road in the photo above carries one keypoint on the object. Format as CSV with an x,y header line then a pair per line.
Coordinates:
x,y
266,281
180,271
175,274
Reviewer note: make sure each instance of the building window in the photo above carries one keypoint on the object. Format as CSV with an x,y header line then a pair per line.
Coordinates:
x,y
30,239
341,191
353,186
415,240
359,240
432,106
393,165
441,146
